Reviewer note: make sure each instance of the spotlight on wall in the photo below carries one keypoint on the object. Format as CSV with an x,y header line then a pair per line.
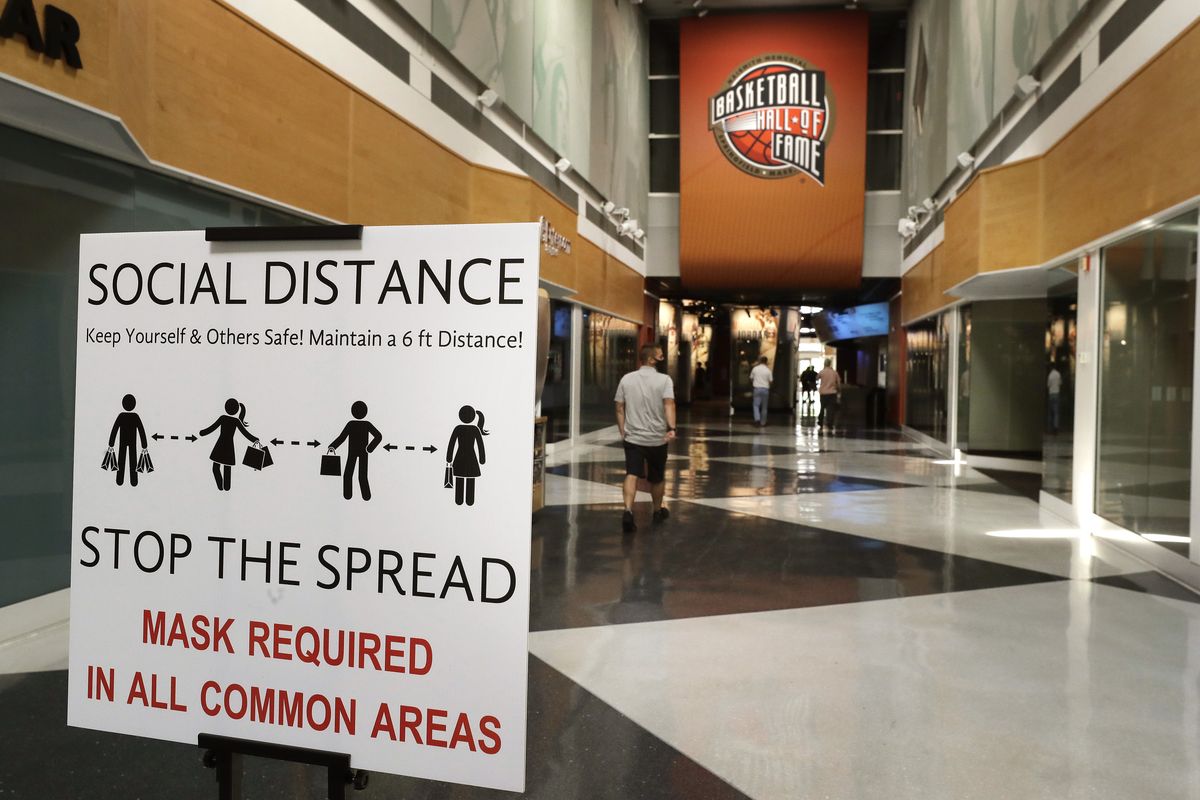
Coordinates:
x,y
1027,85
965,160
563,164
928,204
488,98
916,212
696,3
608,206
628,227
639,234
622,213
702,12
906,227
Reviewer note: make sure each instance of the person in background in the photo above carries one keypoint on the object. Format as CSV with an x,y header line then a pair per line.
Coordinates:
x,y
830,388
808,386
760,379
1054,390
645,404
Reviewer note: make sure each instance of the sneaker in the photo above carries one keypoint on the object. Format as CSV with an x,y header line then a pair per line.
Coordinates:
x,y
627,523
661,515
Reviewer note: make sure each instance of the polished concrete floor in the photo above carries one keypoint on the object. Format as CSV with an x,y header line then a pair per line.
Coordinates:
x,y
823,616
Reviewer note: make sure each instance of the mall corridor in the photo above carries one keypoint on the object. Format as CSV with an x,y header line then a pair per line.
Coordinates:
x,y
823,616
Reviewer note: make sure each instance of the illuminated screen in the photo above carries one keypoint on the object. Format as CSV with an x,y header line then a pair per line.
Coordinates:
x,y
853,323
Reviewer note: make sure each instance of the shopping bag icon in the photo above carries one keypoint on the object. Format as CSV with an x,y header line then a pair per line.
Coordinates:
x,y
331,464
257,458
110,460
449,481
144,463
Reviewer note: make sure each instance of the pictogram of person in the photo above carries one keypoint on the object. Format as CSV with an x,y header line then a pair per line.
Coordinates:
x,y
465,454
223,454
126,430
362,438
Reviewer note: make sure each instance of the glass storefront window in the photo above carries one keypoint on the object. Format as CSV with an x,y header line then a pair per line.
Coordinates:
x,y
556,394
609,351
1145,432
964,377
49,194
1058,445
928,370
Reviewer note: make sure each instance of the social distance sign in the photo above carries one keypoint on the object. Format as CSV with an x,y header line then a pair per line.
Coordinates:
x,y
300,503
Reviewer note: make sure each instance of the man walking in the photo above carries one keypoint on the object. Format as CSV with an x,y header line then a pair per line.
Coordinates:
x,y
645,402
1054,389
831,386
760,379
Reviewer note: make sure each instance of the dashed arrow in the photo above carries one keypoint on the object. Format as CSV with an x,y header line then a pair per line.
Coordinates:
x,y
158,437
389,446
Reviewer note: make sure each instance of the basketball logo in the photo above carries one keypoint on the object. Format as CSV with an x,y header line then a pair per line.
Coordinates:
x,y
771,118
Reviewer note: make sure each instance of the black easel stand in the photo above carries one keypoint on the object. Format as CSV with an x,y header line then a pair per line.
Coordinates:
x,y
225,755
287,233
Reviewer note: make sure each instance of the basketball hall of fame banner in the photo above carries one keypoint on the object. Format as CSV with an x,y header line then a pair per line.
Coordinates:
x,y
772,150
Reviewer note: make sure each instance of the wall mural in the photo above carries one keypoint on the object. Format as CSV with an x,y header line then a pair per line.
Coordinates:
x,y
964,60
575,70
494,40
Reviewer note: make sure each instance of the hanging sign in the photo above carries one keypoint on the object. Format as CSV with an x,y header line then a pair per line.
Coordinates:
x,y
301,494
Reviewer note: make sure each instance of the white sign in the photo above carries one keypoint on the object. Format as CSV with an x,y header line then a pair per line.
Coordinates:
x,y
301,499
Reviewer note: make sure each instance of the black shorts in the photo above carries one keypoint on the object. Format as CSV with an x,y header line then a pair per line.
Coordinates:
x,y
646,462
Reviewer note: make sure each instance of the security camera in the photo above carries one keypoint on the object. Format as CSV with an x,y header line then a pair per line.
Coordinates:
x,y
628,227
928,204
906,227
563,164
608,206
488,98
623,213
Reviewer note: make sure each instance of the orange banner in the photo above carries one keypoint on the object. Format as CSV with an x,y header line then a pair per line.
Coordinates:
x,y
772,142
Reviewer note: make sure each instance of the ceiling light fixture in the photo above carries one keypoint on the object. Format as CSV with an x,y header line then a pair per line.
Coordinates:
x,y
488,98
563,164
1027,85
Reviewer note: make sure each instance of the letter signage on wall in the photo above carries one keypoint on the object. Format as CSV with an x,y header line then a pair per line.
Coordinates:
x,y
301,494
772,150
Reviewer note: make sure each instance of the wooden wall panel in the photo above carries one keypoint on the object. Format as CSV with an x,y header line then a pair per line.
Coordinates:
x,y
100,23
624,291
232,104
398,176
1010,219
1135,155
590,271
962,229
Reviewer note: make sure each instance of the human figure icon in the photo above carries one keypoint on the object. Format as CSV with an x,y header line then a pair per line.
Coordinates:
x,y
223,454
362,438
465,454
126,431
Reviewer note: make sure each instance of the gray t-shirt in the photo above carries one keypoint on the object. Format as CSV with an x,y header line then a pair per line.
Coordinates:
x,y
643,393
